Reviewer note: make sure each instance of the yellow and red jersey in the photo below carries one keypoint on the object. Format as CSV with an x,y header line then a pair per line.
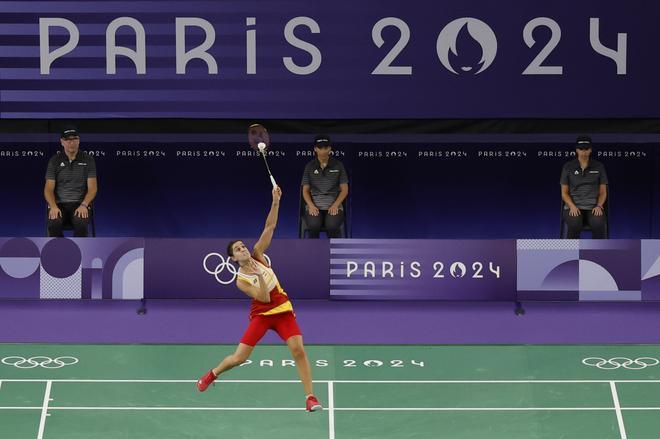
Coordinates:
x,y
279,300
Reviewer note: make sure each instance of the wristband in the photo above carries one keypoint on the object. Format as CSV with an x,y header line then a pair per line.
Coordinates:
x,y
86,205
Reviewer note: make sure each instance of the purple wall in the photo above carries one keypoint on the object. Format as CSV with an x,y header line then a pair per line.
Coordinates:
x,y
328,322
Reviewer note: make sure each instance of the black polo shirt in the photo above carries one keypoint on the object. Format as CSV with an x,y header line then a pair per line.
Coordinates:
x,y
70,175
584,185
324,182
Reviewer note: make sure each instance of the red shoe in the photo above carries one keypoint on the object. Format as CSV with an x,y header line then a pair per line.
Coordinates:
x,y
204,382
313,404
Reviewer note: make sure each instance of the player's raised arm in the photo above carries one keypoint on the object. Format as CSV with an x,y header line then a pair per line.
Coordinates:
x,y
271,222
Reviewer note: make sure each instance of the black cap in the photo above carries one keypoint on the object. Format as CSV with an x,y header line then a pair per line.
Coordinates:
x,y
69,132
321,141
583,142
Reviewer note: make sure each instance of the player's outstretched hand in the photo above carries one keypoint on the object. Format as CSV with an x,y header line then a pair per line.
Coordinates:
x,y
277,193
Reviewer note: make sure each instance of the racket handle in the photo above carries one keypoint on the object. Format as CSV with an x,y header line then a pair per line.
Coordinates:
x,y
272,180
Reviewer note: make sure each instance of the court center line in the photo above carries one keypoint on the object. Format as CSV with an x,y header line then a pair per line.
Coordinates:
x,y
617,406
44,410
331,410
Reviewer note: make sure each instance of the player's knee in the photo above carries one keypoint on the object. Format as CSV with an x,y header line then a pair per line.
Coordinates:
x,y
297,351
238,359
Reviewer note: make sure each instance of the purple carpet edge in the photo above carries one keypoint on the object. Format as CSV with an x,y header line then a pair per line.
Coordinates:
x,y
332,322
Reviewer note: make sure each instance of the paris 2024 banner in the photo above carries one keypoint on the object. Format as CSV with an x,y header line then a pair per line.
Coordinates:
x,y
339,269
340,59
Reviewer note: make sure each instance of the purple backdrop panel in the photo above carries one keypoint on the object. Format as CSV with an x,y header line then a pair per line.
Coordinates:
x,y
357,269
200,268
603,270
392,269
650,269
78,268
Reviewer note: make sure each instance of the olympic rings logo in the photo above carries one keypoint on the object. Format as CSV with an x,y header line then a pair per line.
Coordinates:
x,y
39,361
220,267
222,264
621,362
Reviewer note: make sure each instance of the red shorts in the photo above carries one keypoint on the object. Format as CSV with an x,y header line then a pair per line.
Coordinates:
x,y
284,324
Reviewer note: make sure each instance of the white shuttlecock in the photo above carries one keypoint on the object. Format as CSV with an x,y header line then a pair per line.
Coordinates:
x,y
261,146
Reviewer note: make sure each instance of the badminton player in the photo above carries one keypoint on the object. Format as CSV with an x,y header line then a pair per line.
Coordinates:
x,y
271,308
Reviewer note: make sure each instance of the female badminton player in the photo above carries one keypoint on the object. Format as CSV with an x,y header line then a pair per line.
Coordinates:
x,y
271,308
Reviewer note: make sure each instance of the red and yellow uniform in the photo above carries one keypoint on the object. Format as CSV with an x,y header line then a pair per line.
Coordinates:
x,y
277,315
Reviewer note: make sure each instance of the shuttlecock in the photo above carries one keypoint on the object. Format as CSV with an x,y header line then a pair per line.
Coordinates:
x,y
261,146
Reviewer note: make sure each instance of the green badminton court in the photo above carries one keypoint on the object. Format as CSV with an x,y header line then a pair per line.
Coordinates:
x,y
60,391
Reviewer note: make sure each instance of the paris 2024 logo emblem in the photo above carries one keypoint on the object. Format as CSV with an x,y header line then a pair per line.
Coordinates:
x,y
479,31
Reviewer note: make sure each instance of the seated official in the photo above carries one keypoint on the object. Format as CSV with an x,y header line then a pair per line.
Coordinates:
x,y
584,191
324,188
70,186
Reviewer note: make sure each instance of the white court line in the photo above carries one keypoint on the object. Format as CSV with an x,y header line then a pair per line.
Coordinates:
x,y
356,409
44,410
490,381
617,406
342,381
331,410
359,409
151,381
473,409
279,409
